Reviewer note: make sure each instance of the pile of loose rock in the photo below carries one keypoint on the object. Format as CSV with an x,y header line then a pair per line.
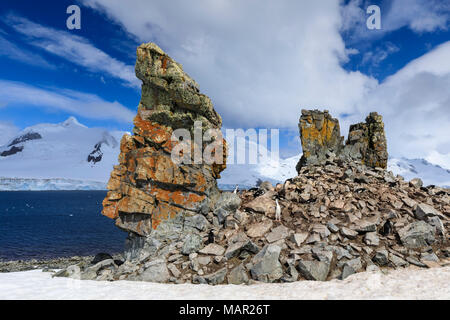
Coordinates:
x,y
339,216
336,219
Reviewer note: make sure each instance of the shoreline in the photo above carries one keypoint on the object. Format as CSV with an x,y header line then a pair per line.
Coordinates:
x,y
47,264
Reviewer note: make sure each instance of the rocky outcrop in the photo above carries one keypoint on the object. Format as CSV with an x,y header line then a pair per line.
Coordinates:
x,y
321,140
154,199
320,135
336,220
366,142
341,215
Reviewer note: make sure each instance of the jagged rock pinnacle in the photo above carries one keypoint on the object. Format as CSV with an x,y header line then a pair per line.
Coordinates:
x,y
321,140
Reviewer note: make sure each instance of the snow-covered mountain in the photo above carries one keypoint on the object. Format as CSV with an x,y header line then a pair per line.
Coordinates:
x,y
71,156
247,175
431,174
63,156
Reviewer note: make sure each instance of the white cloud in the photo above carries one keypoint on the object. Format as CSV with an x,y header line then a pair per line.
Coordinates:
x,y
73,48
86,105
415,103
7,131
11,51
418,15
262,63
375,57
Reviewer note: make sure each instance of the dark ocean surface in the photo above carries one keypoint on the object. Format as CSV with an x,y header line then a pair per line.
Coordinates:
x,y
49,224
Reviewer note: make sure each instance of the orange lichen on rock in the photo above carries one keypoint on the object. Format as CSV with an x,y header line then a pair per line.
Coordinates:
x,y
148,188
321,140
320,133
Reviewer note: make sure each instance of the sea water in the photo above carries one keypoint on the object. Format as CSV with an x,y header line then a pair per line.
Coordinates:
x,y
49,224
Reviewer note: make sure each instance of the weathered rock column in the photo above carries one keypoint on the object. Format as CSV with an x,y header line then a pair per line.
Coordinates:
x,y
321,140
320,134
150,196
367,142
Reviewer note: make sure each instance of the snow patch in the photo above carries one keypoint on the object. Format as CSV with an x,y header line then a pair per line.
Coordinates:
x,y
407,283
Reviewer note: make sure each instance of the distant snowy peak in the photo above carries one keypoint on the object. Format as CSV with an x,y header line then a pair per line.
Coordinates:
x,y
430,174
56,156
278,171
66,150
25,137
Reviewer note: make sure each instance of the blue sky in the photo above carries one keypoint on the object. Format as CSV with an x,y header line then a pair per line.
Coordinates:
x,y
261,62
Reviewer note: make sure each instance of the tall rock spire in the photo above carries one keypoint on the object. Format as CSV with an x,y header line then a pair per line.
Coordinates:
x,y
149,194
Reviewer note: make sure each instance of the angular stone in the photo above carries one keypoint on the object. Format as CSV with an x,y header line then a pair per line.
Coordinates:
x,y
278,233
424,211
371,239
347,271
397,261
198,222
235,249
368,224
215,278
227,204
314,270
417,234
416,262
299,238
73,272
429,257
213,249
355,263
332,227
266,266
322,254
416,183
192,243
174,270
263,204
341,253
322,230
238,275
155,271
204,260
381,257
437,223
348,233
314,237
259,229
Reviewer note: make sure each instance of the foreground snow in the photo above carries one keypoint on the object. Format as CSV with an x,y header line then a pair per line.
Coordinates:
x,y
400,284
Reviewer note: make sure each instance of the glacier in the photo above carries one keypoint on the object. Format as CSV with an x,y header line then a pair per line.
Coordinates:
x,y
72,156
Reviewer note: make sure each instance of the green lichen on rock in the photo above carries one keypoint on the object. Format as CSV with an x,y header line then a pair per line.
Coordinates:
x,y
367,142
321,140
320,134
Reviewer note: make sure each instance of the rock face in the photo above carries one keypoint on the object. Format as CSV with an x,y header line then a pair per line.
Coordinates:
x,y
342,214
156,200
367,142
320,134
321,140
355,219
